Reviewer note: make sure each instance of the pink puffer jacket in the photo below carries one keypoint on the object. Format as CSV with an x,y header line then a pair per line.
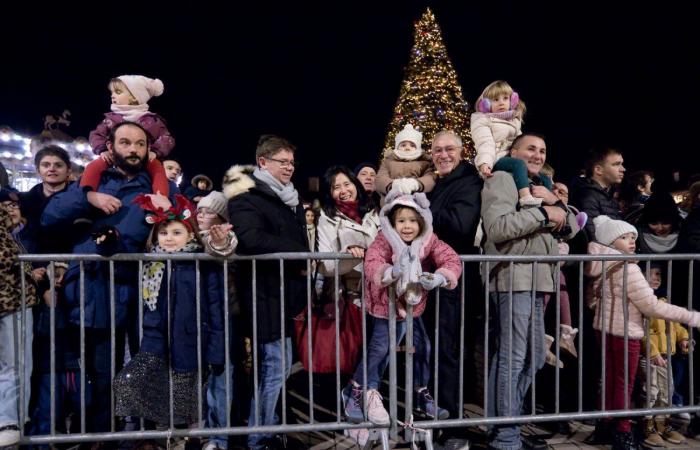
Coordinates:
x,y
640,297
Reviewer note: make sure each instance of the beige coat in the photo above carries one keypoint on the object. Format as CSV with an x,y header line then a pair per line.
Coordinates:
x,y
393,168
337,234
492,137
641,301
510,231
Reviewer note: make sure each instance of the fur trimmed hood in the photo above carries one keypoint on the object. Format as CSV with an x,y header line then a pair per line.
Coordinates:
x,y
238,180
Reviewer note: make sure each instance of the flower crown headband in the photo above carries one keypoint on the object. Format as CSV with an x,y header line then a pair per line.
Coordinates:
x,y
181,211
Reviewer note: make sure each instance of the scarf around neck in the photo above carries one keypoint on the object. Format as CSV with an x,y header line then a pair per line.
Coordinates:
x,y
660,244
407,156
409,282
285,192
505,115
131,113
152,275
350,208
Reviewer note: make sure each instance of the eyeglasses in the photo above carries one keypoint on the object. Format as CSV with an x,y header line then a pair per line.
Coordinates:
x,y
448,149
284,163
10,205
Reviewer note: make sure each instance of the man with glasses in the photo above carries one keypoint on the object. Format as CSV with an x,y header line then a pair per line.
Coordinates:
x,y
455,203
268,217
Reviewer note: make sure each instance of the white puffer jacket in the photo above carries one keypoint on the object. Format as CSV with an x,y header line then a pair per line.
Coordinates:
x,y
492,137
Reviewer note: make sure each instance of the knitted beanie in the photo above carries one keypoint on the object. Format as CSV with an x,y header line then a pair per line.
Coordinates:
x,y
142,88
215,201
409,134
607,229
361,166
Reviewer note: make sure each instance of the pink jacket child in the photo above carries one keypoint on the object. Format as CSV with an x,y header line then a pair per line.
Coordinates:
x,y
608,293
407,255
130,96
424,255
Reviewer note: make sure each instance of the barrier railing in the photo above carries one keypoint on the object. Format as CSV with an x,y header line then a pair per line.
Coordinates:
x,y
92,266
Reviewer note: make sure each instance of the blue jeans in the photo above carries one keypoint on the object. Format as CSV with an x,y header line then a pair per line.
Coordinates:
x,y
67,395
508,383
679,362
378,353
270,379
216,404
10,327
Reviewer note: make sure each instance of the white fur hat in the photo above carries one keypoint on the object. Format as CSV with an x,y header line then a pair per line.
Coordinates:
x,y
409,134
216,201
142,88
607,229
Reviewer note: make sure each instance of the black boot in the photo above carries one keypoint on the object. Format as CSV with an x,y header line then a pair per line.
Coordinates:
x,y
624,441
602,435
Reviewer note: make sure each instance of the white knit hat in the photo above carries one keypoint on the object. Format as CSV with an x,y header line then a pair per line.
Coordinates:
x,y
142,88
607,229
409,134
216,201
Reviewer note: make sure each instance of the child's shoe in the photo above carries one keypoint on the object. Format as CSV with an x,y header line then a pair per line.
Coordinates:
x,y
376,413
651,437
581,220
551,358
352,401
425,404
530,201
566,339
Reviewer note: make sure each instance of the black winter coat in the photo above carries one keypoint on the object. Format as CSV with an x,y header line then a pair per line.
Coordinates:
x,y
456,206
264,224
591,198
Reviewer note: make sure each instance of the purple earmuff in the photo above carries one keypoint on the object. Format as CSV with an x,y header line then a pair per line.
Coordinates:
x,y
484,104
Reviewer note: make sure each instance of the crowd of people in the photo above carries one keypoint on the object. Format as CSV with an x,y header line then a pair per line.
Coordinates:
x,y
405,223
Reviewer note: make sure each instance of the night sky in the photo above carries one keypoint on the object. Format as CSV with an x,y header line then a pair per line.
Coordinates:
x,y
327,77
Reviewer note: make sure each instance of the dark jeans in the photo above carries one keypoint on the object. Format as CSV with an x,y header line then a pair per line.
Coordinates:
x,y
378,353
98,365
679,362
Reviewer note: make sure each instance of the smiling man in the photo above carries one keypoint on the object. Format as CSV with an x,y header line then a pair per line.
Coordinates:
x,y
455,203
268,217
110,206
511,230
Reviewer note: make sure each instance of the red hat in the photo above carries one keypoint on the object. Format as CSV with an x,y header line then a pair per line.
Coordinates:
x,y
182,211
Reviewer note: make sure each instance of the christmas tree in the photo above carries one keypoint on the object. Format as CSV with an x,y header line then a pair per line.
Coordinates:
x,y
431,98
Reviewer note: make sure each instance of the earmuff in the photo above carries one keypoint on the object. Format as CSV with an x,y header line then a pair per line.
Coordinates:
x,y
484,104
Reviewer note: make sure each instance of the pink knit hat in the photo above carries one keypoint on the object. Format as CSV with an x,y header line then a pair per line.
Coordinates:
x,y
142,88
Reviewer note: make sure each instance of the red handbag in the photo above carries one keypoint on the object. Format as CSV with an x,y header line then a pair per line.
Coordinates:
x,y
323,342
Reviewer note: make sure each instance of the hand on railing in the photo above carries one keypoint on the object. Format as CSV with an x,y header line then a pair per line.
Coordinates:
x,y
39,274
357,252
430,281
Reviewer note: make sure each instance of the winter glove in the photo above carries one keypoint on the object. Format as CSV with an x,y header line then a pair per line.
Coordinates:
x,y
319,285
405,185
430,281
105,235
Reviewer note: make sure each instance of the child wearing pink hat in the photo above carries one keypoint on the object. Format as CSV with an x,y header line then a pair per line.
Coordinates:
x,y
130,96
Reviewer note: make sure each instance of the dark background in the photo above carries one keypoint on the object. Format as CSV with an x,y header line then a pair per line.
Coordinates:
x,y
327,77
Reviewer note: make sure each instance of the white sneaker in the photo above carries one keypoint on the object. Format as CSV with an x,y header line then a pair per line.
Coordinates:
x,y
9,435
376,413
529,200
211,445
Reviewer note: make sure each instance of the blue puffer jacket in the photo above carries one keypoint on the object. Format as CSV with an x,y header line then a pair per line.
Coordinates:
x,y
183,317
62,210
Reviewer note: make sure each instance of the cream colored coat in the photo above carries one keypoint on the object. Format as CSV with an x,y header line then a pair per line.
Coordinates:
x,y
337,234
492,137
641,301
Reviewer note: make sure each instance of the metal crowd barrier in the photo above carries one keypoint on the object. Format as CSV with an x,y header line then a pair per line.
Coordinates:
x,y
338,423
